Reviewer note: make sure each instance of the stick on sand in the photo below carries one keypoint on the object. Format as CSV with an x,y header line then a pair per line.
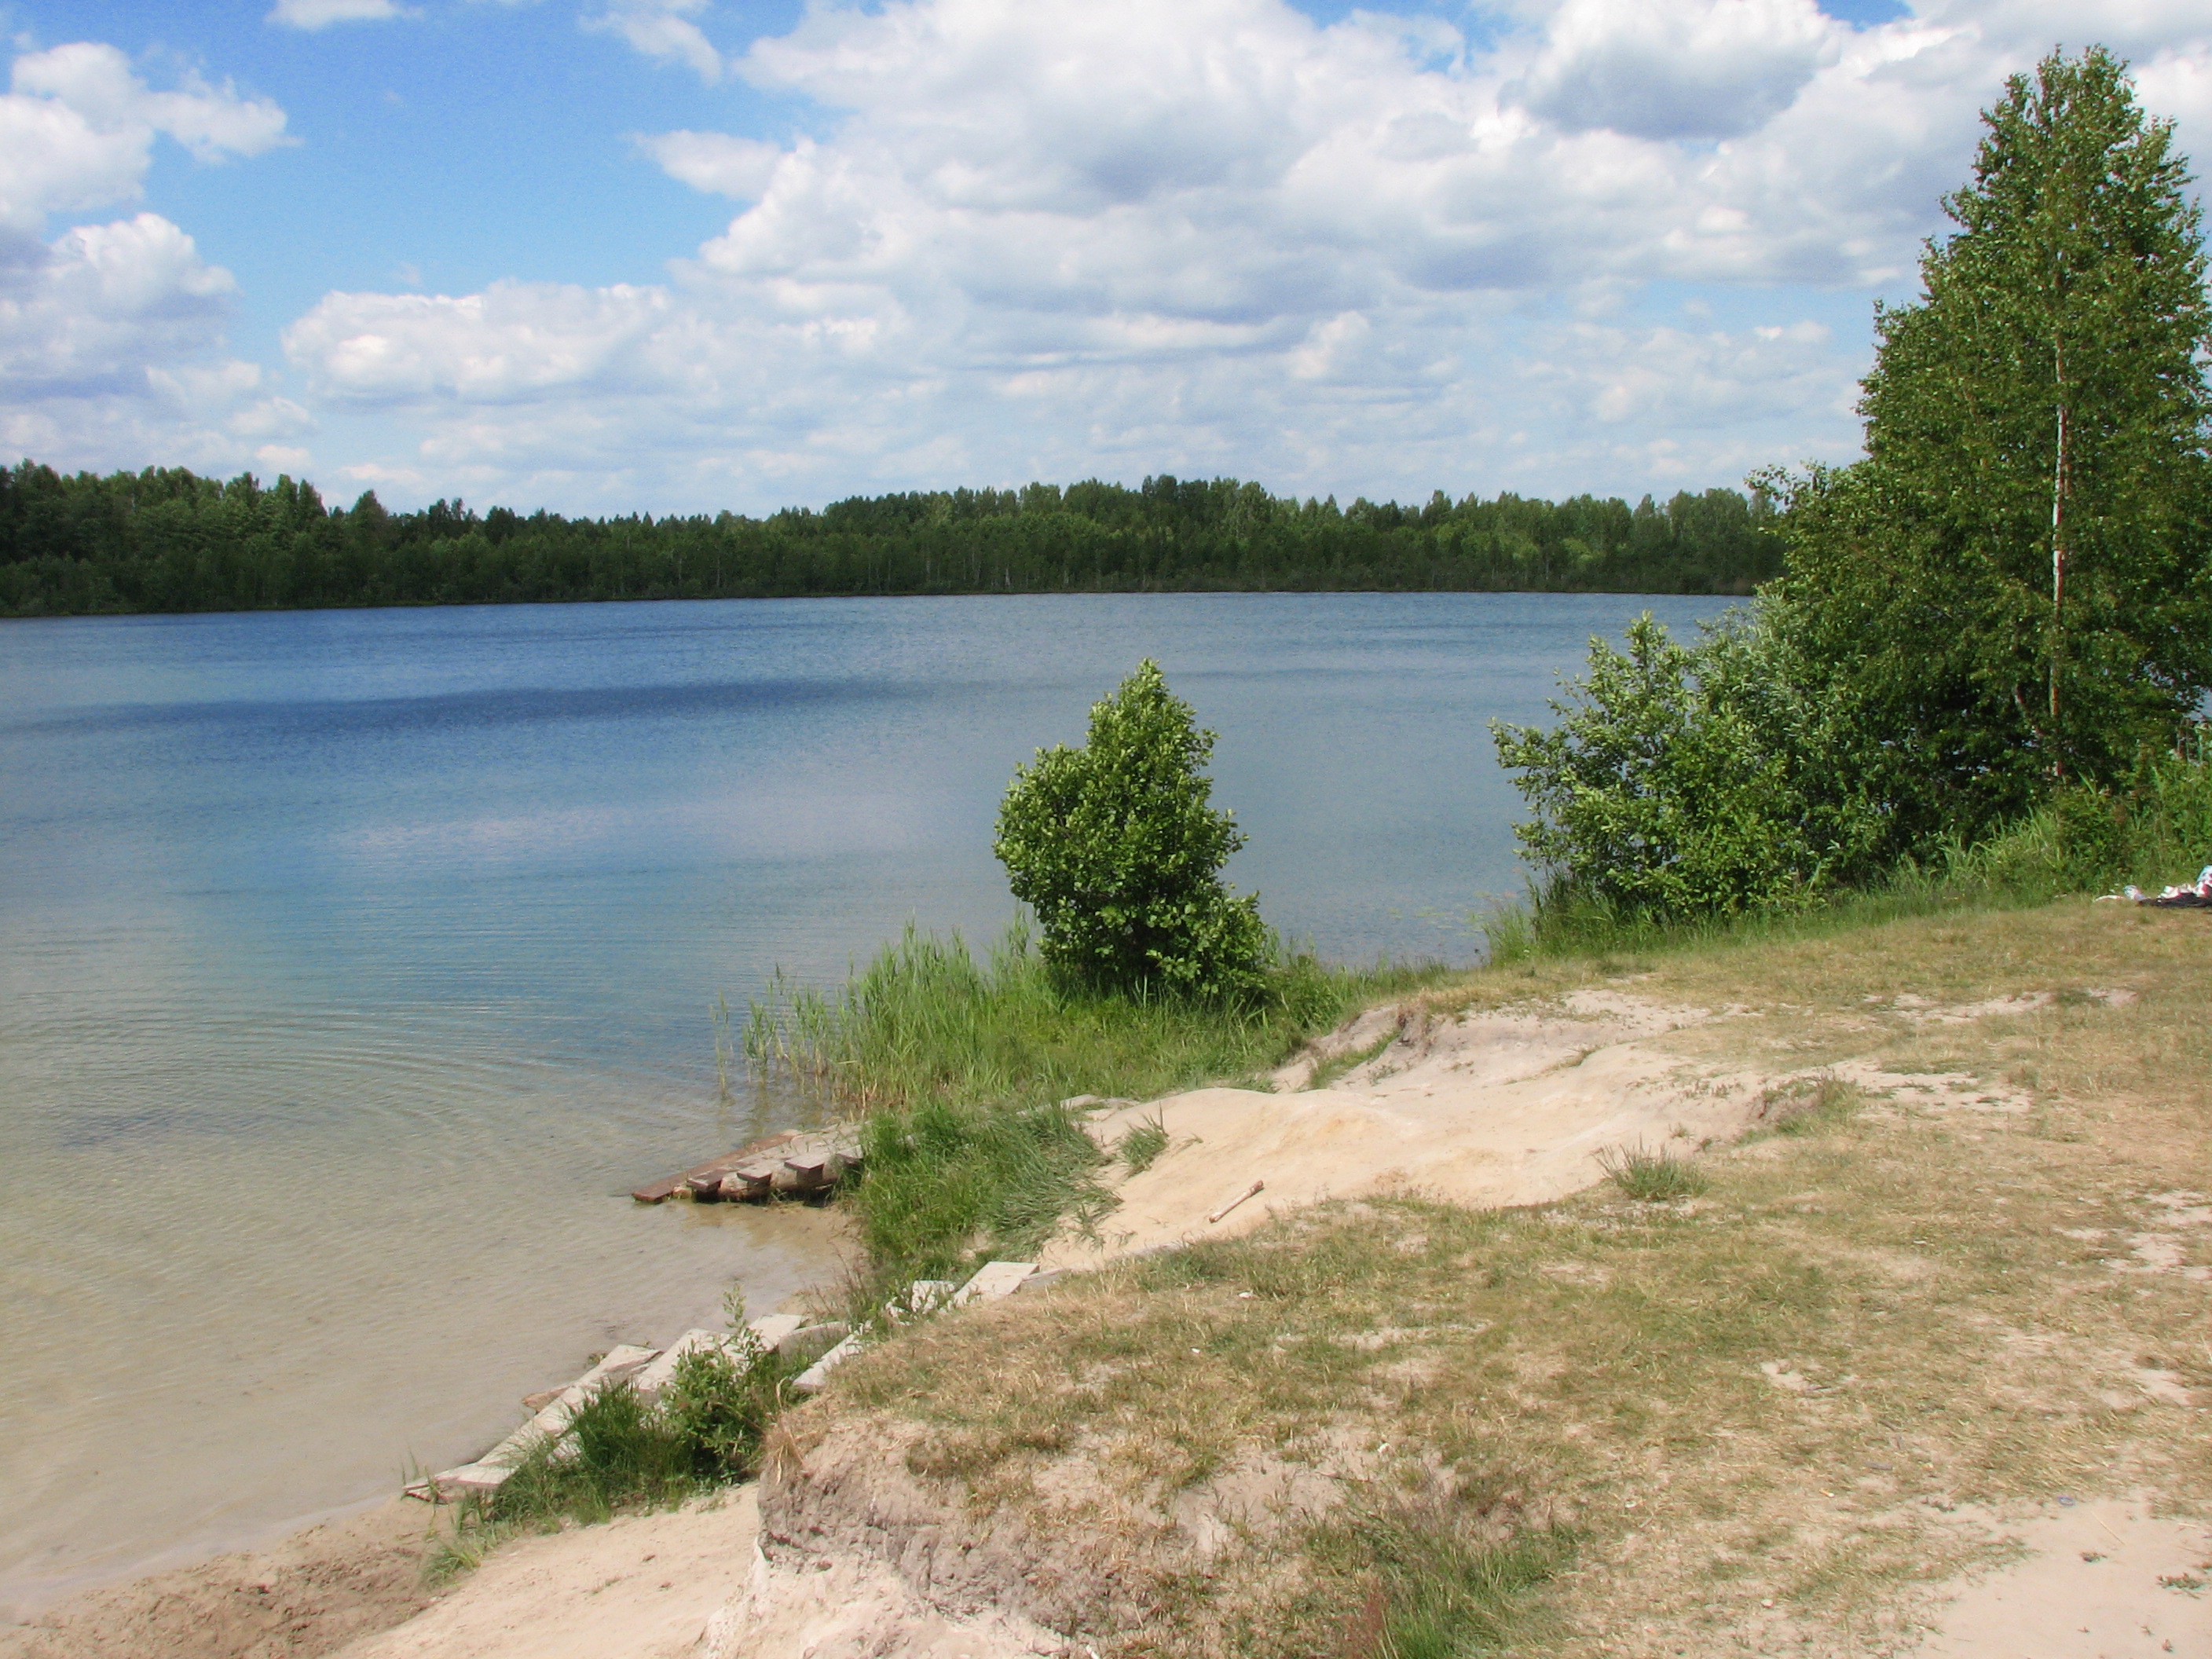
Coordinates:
x,y
1256,1187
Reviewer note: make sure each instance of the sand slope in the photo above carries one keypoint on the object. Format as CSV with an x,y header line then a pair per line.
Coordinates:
x,y
1510,1106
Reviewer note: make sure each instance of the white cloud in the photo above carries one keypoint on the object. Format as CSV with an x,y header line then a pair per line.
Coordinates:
x,y
77,131
1042,238
321,14
110,351
103,301
1677,69
714,162
664,28
2178,85
111,334
508,343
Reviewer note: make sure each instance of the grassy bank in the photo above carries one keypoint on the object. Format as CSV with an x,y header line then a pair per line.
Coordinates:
x,y
959,1064
1759,1416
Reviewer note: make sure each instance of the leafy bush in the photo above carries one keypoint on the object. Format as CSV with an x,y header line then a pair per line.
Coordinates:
x,y
1697,779
1117,849
720,1405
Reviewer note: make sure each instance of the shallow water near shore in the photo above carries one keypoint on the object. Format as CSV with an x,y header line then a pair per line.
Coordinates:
x,y
356,963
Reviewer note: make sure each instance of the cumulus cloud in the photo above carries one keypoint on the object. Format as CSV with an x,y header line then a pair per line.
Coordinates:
x,y
1046,237
664,28
714,162
512,342
103,302
1677,69
78,127
110,335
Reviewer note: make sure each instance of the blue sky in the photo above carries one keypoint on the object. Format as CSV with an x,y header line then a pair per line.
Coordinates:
x,y
682,255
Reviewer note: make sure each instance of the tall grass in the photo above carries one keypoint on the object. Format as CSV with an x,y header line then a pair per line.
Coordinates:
x,y
958,1064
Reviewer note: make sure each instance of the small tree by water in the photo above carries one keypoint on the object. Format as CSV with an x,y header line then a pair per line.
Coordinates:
x,y
1117,848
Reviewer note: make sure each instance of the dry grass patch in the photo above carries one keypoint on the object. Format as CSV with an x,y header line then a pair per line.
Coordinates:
x,y
1720,1424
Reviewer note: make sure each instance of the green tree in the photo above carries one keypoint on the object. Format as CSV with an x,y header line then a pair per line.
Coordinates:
x,y
1117,849
2015,581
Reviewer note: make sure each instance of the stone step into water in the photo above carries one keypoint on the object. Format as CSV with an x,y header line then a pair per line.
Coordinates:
x,y
792,1164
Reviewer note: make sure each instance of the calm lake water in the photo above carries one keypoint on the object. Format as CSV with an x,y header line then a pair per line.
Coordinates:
x,y
356,963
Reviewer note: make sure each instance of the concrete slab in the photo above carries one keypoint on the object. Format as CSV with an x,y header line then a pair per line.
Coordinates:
x,y
993,1281
815,1376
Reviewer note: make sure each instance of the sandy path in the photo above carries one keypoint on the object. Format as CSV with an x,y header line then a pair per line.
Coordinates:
x,y
311,1594
641,1587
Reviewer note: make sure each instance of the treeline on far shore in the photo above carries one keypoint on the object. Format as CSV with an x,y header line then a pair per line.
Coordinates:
x,y
168,540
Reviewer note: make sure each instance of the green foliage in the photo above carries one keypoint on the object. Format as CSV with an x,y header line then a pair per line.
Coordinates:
x,y
1694,779
624,1452
1117,849
164,539
719,1406
2153,829
2016,584
948,1186
961,1064
2013,592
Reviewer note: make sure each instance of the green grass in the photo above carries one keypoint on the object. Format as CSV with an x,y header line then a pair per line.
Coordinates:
x,y
1439,1584
1141,1145
622,1452
958,1064
1651,1175
1329,1070
1811,1106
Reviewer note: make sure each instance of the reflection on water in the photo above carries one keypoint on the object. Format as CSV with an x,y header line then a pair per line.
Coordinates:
x,y
356,963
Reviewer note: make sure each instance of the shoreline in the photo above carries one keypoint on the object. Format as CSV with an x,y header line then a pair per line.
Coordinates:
x,y
1811,1082
1171,1203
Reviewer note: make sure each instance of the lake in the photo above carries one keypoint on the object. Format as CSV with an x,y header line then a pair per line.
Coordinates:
x,y
357,963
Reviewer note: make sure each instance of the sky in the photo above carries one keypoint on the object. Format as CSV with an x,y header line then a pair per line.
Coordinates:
x,y
690,255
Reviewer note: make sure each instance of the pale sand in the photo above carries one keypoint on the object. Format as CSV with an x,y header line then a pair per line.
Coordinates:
x,y
2085,1587
1507,1108
641,1587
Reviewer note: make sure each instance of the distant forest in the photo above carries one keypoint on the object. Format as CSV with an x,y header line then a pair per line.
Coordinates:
x,y
166,540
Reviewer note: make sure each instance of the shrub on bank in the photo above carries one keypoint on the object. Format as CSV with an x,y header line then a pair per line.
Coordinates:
x,y
1118,849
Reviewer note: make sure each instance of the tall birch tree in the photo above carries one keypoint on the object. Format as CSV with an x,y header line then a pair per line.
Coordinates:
x,y
2015,580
